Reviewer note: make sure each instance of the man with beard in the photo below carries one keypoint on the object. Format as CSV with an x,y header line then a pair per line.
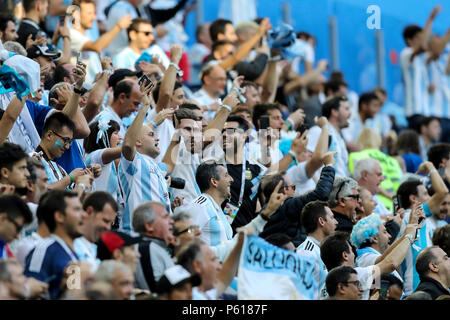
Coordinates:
x,y
64,215
35,12
101,210
337,111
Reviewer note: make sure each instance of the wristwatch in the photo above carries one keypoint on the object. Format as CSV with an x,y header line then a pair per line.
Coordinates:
x,y
264,217
82,187
410,238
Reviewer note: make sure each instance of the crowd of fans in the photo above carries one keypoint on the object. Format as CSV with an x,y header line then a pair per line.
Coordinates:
x,y
132,166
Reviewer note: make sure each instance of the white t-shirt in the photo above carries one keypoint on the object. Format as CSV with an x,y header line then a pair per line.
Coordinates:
x,y
204,99
126,58
365,277
90,58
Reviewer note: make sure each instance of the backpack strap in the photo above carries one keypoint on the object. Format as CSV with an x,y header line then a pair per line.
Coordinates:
x,y
147,269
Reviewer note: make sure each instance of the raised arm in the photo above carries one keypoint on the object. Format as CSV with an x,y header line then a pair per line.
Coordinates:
x,y
440,190
270,83
132,134
230,266
319,156
98,91
105,40
426,32
168,82
304,80
10,116
215,126
72,109
245,48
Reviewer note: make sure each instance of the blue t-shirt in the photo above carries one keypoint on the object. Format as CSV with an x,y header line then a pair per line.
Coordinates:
x,y
38,114
72,158
46,262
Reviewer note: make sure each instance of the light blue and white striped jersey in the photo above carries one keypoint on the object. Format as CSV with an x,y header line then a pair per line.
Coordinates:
x,y
109,179
415,81
440,98
142,180
312,247
380,208
208,215
86,251
432,224
408,266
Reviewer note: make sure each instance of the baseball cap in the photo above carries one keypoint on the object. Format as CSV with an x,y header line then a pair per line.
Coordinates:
x,y
175,277
112,240
41,50
119,75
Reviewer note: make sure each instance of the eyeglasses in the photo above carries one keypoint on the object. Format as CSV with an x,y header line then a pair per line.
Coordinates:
x,y
66,141
189,230
356,283
18,226
147,33
354,196
340,188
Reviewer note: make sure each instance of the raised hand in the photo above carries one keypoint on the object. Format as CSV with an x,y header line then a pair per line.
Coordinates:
x,y
299,143
176,51
124,22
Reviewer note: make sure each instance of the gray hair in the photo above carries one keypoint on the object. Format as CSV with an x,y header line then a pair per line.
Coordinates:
x,y
15,47
362,165
181,215
144,214
107,269
342,185
419,295
246,26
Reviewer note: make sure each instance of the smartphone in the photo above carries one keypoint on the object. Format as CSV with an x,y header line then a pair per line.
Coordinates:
x,y
384,288
61,20
301,129
397,203
264,122
421,222
79,57
146,79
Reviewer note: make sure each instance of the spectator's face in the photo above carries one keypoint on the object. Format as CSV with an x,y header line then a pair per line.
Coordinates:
x,y
367,202
163,224
130,104
10,230
203,123
69,67
18,280
224,51
189,229
351,202
210,267
100,222
47,61
330,222
129,256
123,284
352,290
41,185
216,80
350,256
233,138
433,131
148,142
394,292
10,33
373,107
246,116
374,179
143,37
252,95
287,187
182,293
87,15
344,114
443,264
74,218
383,238
43,9
192,135
444,209
178,98
276,121
59,141
229,34
224,182
18,175
422,194
115,139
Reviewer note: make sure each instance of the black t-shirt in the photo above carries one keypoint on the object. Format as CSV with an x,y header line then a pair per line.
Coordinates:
x,y
247,210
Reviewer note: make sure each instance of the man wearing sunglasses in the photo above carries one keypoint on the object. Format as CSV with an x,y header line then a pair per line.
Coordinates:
x,y
343,284
344,200
140,37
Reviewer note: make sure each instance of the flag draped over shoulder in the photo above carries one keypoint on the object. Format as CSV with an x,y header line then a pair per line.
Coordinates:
x,y
269,272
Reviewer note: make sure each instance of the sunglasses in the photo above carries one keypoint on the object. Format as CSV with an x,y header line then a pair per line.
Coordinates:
x,y
147,33
190,230
292,187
